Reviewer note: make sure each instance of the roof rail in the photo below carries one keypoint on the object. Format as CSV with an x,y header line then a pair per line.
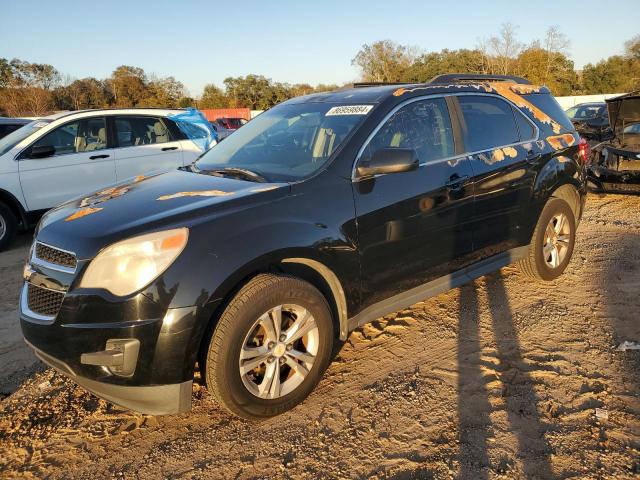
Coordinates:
x,y
477,77
378,84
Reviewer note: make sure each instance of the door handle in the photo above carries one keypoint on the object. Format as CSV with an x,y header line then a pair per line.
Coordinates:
x,y
456,181
95,157
169,148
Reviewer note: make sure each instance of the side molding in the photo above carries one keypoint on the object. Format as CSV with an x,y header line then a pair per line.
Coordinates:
x,y
437,286
334,285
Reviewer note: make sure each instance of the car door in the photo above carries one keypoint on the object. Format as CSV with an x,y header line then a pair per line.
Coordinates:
x,y
145,145
505,159
72,159
413,226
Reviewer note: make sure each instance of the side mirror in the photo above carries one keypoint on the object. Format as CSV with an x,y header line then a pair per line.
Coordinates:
x,y
389,160
42,151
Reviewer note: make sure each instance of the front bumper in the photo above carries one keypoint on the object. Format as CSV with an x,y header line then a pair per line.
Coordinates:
x,y
150,400
159,374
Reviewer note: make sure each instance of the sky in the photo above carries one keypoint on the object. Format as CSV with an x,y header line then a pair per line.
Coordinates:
x,y
200,42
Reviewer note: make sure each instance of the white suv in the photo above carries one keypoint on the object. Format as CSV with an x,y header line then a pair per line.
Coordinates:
x,y
56,158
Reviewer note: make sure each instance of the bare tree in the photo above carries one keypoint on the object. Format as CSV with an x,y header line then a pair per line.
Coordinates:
x,y
555,43
502,50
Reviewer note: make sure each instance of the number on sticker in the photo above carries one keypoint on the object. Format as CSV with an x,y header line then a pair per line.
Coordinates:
x,y
350,110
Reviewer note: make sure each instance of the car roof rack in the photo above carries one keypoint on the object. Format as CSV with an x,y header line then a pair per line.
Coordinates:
x,y
477,77
379,84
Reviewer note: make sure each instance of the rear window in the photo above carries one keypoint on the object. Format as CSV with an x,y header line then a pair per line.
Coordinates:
x,y
551,107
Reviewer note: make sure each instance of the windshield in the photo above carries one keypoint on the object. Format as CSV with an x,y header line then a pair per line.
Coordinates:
x,y
288,142
585,112
15,137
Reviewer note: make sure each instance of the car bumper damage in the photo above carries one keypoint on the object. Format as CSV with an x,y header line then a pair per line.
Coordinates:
x,y
615,170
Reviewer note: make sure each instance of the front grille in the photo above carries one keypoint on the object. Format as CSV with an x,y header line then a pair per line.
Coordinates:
x,y
55,256
43,301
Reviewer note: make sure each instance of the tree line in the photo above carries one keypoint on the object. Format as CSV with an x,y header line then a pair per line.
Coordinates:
x,y
543,62
33,89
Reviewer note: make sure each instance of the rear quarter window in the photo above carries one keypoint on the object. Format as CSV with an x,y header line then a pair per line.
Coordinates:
x,y
551,107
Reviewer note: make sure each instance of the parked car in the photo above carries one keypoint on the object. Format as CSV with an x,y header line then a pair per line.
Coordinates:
x,y
591,120
8,125
59,157
231,123
322,214
615,164
222,131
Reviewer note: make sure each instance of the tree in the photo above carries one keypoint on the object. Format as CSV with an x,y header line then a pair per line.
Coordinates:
x,y
39,75
186,102
84,93
500,51
255,92
431,64
556,45
213,97
162,92
552,69
384,61
128,85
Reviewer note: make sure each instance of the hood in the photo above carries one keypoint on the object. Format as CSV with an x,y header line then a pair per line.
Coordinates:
x,y
623,110
176,198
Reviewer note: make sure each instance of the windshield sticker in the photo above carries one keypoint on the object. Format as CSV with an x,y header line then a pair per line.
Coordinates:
x,y
349,110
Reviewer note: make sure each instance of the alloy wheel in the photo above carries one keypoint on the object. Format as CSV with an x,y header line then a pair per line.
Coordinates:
x,y
279,351
557,238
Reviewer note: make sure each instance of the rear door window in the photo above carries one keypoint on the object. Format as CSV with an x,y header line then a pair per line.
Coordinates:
x,y
488,123
138,131
424,126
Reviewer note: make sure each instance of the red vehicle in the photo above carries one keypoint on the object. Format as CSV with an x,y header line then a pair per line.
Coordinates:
x,y
231,123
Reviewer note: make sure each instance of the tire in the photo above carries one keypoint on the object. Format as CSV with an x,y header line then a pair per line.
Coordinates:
x,y
8,226
540,262
252,395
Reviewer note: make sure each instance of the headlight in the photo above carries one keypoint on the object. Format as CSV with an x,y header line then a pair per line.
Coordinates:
x,y
130,265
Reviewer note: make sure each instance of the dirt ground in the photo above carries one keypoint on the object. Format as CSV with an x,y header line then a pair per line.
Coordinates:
x,y
502,378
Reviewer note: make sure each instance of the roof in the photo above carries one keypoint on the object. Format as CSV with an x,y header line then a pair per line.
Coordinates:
x,y
14,121
377,92
117,111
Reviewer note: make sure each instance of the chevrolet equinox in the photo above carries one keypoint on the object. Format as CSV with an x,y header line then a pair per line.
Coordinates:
x,y
322,214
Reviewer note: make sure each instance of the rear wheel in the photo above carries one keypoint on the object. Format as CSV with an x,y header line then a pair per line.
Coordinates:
x,y
270,347
8,226
552,242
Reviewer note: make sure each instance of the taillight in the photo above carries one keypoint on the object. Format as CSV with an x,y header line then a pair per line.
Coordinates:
x,y
583,151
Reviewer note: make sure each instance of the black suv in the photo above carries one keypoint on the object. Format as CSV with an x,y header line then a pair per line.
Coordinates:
x,y
324,213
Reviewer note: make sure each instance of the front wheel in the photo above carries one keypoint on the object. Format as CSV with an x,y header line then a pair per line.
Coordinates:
x,y
552,242
270,347
8,226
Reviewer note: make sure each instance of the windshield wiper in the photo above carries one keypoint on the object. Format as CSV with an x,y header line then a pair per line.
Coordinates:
x,y
237,172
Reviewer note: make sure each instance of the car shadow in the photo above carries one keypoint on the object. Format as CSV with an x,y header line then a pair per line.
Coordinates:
x,y
518,392
620,295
